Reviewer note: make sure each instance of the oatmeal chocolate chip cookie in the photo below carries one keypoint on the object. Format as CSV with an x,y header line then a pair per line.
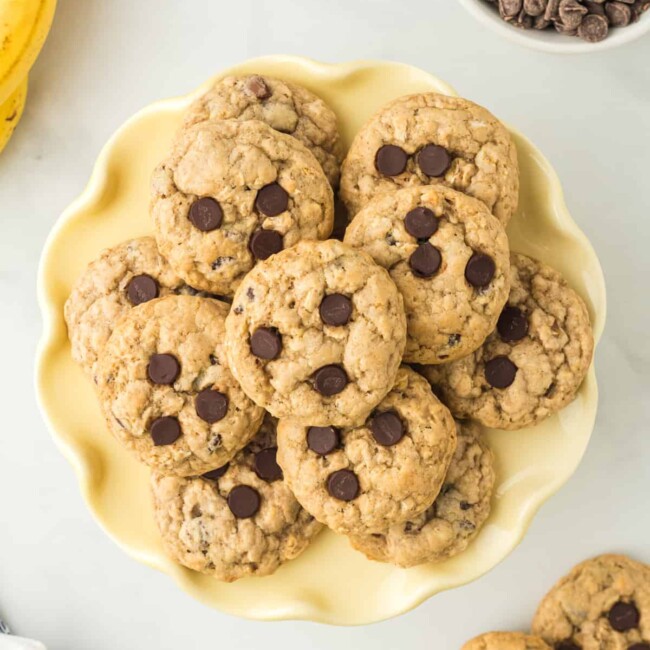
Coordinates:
x,y
284,106
239,520
532,365
121,277
387,470
452,521
428,139
232,193
506,641
604,603
166,389
317,333
449,258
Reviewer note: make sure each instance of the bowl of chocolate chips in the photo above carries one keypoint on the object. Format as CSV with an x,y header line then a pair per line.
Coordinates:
x,y
564,26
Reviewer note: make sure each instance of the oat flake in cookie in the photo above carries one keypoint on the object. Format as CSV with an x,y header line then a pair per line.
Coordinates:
x,y
533,364
166,390
385,471
603,603
448,257
506,641
317,333
120,278
284,106
241,520
429,139
233,193
452,521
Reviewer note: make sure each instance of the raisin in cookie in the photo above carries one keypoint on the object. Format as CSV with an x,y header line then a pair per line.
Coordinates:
x,y
428,139
231,193
284,106
506,641
452,521
448,256
317,333
166,389
387,470
532,365
122,276
603,604
236,521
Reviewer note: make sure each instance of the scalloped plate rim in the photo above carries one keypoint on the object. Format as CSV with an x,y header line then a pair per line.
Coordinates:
x,y
93,192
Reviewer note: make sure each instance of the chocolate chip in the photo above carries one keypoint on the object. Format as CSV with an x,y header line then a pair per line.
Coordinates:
x,y
165,430
272,200
330,380
425,260
335,309
535,7
640,646
571,14
141,288
206,214
500,372
323,440
266,465
434,160
464,505
343,485
593,28
215,474
619,14
595,7
421,223
480,270
387,428
163,369
512,324
623,616
243,501
567,644
257,87
509,8
391,160
266,343
211,405
265,243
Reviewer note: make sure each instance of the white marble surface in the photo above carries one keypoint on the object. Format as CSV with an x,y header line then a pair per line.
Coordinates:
x,y
61,579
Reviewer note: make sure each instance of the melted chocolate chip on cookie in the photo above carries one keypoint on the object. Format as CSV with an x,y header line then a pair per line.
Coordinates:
x,y
434,160
264,243
141,288
165,430
421,223
243,501
330,380
512,324
343,485
624,616
323,440
425,261
266,465
391,160
211,405
272,200
206,214
335,309
215,474
266,343
163,369
500,372
480,270
387,428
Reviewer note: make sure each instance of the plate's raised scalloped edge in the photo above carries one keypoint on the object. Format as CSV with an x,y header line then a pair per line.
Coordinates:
x,y
53,328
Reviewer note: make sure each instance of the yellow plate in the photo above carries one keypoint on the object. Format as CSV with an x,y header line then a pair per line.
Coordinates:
x,y
330,583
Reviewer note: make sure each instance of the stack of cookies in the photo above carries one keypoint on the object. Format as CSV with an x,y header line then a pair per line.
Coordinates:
x,y
276,380
602,604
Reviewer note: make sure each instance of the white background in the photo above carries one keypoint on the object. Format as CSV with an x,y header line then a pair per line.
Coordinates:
x,y
61,579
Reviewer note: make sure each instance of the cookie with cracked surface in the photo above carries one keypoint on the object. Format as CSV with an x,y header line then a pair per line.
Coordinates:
x,y
232,193
364,479
429,139
240,520
506,641
121,277
446,528
533,364
448,256
317,333
603,603
284,106
167,391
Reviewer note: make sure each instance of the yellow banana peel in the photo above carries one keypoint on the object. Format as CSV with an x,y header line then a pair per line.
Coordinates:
x,y
11,111
24,25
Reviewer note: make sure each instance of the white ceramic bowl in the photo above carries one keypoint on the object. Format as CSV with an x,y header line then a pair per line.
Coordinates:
x,y
549,40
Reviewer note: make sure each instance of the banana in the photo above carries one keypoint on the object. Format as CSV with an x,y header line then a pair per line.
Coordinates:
x,y
11,111
24,25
